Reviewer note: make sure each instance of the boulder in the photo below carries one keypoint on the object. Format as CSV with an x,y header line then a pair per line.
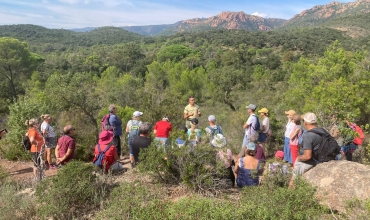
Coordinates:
x,y
338,182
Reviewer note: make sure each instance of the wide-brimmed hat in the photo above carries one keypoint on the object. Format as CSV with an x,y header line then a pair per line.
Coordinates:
x,y
290,112
263,110
105,137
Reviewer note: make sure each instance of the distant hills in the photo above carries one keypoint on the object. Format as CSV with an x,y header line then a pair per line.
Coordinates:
x,y
352,18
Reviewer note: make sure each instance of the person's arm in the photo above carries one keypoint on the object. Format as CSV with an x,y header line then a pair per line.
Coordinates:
x,y
69,152
263,128
187,115
293,133
307,155
236,169
245,126
127,129
57,152
199,113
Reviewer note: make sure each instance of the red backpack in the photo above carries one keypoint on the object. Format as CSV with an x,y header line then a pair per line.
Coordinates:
x,y
361,137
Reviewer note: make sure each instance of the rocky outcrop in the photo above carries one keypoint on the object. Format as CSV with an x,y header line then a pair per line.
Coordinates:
x,y
232,20
338,182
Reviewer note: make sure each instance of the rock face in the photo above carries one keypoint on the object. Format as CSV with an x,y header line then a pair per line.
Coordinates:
x,y
338,182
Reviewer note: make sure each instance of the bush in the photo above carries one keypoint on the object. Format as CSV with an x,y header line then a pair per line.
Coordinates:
x,y
73,191
134,201
13,204
200,169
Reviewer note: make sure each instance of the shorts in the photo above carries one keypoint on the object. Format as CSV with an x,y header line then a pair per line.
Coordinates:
x,y
262,137
36,158
300,168
51,142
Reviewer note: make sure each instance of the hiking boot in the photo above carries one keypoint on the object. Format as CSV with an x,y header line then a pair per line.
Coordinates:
x,y
52,166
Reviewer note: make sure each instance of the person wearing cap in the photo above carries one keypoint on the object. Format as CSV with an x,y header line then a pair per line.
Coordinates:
x,y
105,143
194,133
260,154
265,127
162,131
247,168
191,111
304,161
116,123
133,130
141,141
213,129
65,150
289,128
250,124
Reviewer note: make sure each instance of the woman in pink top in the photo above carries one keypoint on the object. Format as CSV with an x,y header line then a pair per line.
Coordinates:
x,y
294,137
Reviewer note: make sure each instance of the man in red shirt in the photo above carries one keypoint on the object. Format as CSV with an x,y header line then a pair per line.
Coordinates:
x,y
110,156
65,150
162,131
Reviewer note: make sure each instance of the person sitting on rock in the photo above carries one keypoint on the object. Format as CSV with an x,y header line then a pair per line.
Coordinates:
x,y
247,168
305,161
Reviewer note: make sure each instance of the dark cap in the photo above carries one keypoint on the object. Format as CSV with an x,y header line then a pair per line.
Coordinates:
x,y
194,121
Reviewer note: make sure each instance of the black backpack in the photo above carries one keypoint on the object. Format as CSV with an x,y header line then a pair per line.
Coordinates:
x,y
328,149
99,159
26,143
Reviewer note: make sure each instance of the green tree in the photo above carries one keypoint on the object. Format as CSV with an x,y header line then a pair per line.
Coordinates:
x,y
16,65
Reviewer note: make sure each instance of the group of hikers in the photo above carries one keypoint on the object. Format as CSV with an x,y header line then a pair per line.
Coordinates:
x,y
300,144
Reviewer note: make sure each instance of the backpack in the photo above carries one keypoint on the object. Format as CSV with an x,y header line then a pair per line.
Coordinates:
x,y
215,131
105,125
300,139
26,143
257,128
98,160
328,149
134,129
360,138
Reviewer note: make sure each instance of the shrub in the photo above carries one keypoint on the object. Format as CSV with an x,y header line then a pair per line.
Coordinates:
x,y
71,192
13,204
134,201
200,169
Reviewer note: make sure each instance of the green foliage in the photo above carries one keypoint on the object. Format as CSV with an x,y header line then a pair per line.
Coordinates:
x,y
75,187
200,170
134,201
15,204
173,52
24,109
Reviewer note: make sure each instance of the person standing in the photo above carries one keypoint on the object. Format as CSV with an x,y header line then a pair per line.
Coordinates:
x,y
49,135
141,141
133,130
265,127
65,150
162,131
36,141
294,138
191,111
116,123
289,128
250,125
213,129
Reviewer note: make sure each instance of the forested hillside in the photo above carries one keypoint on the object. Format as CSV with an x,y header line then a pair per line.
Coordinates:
x,y
63,73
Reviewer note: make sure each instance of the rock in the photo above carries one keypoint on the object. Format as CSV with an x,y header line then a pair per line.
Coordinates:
x,y
338,182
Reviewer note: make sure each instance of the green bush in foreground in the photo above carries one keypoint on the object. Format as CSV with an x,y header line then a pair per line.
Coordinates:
x,y
201,170
134,201
72,192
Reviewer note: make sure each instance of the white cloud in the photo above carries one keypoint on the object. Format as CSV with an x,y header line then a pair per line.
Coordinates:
x,y
263,15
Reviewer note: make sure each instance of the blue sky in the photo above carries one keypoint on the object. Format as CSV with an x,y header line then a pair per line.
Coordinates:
x,y
96,13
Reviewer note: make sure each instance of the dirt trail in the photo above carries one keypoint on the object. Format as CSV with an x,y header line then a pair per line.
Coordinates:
x,y
23,171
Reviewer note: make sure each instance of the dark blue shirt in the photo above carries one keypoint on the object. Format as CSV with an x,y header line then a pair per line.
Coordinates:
x,y
116,123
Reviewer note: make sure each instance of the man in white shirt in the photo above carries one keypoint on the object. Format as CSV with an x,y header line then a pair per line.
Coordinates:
x,y
250,125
